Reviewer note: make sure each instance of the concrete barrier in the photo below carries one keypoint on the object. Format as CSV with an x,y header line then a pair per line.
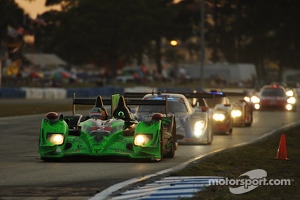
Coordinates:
x,y
54,93
33,93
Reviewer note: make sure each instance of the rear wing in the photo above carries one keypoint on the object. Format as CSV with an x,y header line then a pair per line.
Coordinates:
x,y
187,94
210,94
193,96
99,102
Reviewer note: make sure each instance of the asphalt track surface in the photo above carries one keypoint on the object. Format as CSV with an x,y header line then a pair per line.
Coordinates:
x,y
24,176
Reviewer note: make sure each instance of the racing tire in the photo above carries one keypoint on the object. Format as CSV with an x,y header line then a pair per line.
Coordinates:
x,y
229,132
250,123
51,159
231,128
171,153
210,135
161,148
210,139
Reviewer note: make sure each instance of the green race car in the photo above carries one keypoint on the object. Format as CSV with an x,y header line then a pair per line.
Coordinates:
x,y
119,135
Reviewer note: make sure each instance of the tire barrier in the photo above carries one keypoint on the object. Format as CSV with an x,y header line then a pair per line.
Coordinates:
x,y
58,93
106,91
61,93
12,93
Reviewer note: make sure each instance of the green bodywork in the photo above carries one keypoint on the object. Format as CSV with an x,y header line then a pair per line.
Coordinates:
x,y
113,137
79,135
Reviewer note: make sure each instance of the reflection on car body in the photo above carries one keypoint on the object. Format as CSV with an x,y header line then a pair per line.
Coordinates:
x,y
222,118
192,124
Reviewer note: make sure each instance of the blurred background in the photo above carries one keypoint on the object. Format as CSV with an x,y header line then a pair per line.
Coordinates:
x,y
96,43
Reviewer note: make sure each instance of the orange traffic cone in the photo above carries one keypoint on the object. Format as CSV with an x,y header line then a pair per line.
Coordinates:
x,y
281,152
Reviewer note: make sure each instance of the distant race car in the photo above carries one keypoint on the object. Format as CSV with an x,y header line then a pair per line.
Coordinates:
x,y
222,109
119,135
242,113
193,124
274,97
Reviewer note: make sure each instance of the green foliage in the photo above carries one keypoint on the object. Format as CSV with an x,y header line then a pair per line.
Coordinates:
x,y
253,31
10,14
109,32
104,32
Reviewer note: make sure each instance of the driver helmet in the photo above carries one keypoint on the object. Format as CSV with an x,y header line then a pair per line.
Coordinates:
x,y
98,113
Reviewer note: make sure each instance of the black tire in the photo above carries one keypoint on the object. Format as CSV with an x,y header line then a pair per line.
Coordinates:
x,y
170,152
210,137
250,123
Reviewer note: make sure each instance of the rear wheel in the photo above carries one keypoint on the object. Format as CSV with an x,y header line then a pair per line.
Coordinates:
x,y
210,138
170,147
210,134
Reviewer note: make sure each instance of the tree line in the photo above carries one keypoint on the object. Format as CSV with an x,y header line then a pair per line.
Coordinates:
x,y
113,33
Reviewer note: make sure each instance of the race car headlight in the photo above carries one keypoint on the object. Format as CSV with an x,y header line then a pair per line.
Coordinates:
x,y
140,140
236,113
247,99
219,117
255,99
289,93
291,100
198,127
56,138
289,107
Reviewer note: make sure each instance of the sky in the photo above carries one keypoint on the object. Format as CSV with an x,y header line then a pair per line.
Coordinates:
x,y
34,7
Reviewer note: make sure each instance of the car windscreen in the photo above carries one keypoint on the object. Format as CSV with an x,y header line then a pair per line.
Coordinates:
x,y
211,102
273,92
173,107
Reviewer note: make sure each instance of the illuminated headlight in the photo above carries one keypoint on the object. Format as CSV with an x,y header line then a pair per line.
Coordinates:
x,y
289,107
140,140
289,93
255,99
56,138
236,113
219,117
198,128
247,99
291,100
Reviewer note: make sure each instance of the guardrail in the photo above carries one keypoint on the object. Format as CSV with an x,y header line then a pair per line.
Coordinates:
x,y
61,93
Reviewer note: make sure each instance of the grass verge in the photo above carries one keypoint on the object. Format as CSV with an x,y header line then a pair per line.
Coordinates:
x,y
260,155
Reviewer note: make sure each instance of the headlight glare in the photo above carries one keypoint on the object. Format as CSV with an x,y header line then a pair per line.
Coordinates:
x,y
236,113
140,140
291,100
198,128
219,117
289,107
290,93
56,138
247,99
255,99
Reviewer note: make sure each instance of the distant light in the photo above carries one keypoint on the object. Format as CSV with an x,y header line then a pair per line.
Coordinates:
x,y
173,42
29,39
